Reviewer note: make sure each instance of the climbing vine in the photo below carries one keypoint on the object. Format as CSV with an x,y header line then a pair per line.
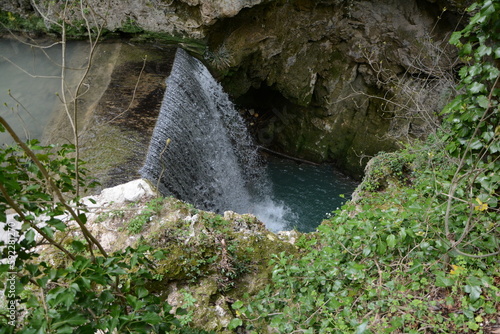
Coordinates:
x,y
418,251
474,135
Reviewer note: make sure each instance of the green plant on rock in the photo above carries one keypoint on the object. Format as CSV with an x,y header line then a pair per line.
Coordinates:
x,y
388,168
110,215
153,207
13,22
220,58
130,26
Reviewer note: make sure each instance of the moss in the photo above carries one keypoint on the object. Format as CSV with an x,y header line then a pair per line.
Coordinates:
x,y
216,259
14,22
109,146
387,170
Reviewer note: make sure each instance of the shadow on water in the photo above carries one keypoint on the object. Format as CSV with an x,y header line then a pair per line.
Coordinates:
x,y
127,112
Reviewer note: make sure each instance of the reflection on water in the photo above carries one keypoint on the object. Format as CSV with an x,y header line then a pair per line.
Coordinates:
x,y
310,192
29,83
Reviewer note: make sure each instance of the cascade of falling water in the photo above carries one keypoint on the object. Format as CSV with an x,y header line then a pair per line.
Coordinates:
x,y
201,151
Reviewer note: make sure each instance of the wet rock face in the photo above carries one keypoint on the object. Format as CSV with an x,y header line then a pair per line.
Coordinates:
x,y
359,76
331,80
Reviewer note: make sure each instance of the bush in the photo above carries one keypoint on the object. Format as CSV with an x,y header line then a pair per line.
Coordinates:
x,y
74,286
418,251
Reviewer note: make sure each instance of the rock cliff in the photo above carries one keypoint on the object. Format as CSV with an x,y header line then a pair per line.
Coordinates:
x,y
328,80
339,80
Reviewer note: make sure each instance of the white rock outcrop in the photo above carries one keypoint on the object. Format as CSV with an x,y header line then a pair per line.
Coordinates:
x,y
128,192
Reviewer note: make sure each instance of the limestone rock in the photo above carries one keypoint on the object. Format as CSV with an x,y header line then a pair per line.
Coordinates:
x,y
211,10
129,192
331,80
184,17
210,261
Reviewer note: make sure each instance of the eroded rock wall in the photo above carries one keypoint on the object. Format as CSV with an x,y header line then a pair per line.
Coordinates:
x,y
331,80
188,18
361,76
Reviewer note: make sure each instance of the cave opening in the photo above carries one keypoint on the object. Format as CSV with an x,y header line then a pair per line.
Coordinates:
x,y
267,113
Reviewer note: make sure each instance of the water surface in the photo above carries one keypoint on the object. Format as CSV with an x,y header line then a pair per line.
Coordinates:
x,y
310,192
30,81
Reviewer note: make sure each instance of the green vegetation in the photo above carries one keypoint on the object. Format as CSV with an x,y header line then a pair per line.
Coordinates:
x,y
14,22
153,207
204,247
384,265
87,290
418,251
77,30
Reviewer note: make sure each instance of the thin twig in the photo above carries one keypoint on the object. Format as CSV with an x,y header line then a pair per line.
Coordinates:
x,y
52,185
18,210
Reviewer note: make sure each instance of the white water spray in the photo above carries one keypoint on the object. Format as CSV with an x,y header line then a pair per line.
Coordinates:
x,y
201,151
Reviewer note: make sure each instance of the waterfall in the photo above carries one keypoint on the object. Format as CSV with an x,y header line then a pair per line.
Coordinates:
x,y
201,151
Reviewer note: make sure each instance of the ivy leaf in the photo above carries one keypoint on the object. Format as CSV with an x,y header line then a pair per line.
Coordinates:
x,y
488,9
362,328
234,323
477,87
391,241
466,78
495,147
474,292
476,144
483,101
237,305
455,37
478,18
484,50
466,49
472,7
443,281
